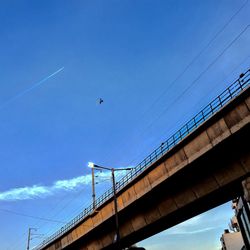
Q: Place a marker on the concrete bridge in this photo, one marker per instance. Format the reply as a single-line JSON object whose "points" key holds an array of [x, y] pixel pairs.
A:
{"points": [[199, 167]]}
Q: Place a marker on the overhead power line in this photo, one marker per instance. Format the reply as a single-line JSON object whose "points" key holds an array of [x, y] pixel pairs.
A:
{"points": [[204, 71], [238, 66], [31, 216], [196, 79], [194, 59], [193, 82], [197, 56]]}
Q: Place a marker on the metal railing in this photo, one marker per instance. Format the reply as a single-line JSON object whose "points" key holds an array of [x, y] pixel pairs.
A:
{"points": [[236, 88]]}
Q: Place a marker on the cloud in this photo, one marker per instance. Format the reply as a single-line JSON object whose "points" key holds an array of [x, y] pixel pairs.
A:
{"points": [[25, 193], [40, 191], [191, 222], [195, 225], [72, 183], [182, 231]]}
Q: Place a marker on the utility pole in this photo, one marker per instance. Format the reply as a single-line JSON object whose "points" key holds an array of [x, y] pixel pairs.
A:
{"points": [[28, 245], [29, 236], [93, 187], [117, 240]]}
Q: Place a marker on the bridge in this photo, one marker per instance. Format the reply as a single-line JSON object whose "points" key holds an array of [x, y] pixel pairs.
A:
{"points": [[198, 168]]}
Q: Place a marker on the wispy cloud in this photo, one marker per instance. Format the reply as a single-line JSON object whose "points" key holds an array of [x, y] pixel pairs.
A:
{"points": [[195, 225], [182, 231], [192, 222], [25, 193], [41, 191]]}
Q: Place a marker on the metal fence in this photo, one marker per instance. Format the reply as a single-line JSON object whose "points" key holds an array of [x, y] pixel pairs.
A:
{"points": [[235, 89]]}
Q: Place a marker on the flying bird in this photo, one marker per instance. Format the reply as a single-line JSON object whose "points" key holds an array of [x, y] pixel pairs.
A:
{"points": [[100, 101]]}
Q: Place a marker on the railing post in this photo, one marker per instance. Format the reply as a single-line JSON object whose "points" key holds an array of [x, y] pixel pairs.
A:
{"points": [[161, 148]]}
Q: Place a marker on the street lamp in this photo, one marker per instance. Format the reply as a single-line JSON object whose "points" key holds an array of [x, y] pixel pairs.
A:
{"points": [[91, 165], [94, 166]]}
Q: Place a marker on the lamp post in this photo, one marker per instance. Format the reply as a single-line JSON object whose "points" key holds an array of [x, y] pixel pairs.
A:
{"points": [[94, 166], [28, 244], [93, 187]]}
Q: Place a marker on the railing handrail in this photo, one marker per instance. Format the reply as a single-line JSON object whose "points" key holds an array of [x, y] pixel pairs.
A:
{"points": [[235, 89]]}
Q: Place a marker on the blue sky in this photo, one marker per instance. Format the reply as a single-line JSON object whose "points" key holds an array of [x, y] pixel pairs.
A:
{"points": [[129, 53]]}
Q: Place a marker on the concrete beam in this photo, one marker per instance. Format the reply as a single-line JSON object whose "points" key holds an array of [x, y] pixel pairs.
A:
{"points": [[246, 188]]}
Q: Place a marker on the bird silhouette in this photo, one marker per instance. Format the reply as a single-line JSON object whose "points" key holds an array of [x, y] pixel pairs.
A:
{"points": [[100, 101]]}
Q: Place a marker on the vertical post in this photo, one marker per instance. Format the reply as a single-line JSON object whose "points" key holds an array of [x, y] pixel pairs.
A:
{"points": [[93, 187], [117, 239], [28, 244]]}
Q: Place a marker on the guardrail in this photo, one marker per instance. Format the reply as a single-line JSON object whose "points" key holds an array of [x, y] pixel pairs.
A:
{"points": [[235, 89]]}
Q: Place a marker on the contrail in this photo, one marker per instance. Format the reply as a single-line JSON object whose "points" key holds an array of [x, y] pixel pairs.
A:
{"points": [[30, 89]]}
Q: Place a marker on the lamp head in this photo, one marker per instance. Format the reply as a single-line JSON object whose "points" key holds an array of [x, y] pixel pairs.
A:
{"points": [[91, 165]]}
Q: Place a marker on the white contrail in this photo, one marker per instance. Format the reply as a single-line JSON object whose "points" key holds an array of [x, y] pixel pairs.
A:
{"points": [[31, 88], [200, 230]]}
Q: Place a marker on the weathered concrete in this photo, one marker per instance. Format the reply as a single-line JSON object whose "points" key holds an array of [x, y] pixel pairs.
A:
{"points": [[206, 169], [246, 188]]}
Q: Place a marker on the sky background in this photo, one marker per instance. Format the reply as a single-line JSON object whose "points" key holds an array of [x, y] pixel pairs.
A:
{"points": [[154, 63]]}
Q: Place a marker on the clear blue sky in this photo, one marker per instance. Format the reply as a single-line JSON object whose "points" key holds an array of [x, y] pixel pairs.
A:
{"points": [[129, 53]]}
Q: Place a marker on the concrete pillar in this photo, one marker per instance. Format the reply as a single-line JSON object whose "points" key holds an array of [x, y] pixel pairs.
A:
{"points": [[246, 189]]}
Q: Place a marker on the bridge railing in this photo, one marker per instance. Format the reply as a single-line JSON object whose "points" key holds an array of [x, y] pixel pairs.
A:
{"points": [[214, 106]]}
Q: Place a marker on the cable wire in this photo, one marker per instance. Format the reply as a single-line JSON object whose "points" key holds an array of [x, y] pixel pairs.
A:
{"points": [[197, 56], [191, 62], [234, 69], [195, 81], [203, 72], [30, 216]]}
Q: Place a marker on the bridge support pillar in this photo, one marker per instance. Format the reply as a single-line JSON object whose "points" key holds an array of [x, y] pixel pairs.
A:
{"points": [[246, 189]]}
